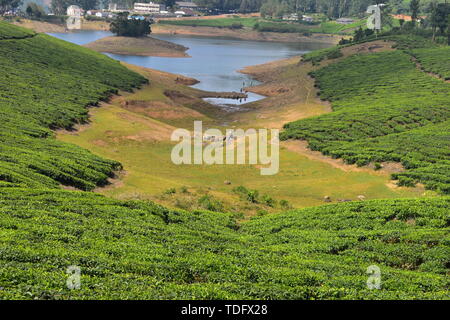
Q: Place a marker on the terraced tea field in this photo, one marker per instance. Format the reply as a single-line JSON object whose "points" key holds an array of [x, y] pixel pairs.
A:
{"points": [[384, 109]]}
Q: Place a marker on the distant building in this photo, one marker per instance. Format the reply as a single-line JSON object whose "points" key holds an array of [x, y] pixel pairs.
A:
{"points": [[290, 17], [307, 18], [101, 14], [136, 17], [147, 8], [114, 7], [185, 13], [402, 17], [186, 5], [405, 17], [345, 20]]}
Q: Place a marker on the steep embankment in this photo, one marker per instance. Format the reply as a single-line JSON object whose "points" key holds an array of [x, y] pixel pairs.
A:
{"points": [[143, 46], [139, 250], [384, 109]]}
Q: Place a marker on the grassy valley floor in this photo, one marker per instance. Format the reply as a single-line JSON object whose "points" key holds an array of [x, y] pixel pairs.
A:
{"points": [[135, 130]]}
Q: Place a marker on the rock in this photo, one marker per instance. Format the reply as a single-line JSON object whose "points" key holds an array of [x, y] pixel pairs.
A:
{"points": [[361, 197], [327, 199], [227, 182]]}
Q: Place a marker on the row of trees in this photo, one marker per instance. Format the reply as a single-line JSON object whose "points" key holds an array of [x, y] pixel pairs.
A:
{"points": [[59, 7], [342, 8], [123, 26], [9, 5]]}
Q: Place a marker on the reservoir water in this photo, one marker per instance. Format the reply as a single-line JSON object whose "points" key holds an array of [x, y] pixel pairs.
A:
{"points": [[214, 61]]}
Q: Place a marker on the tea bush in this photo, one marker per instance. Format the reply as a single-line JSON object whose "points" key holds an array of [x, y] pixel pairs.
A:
{"points": [[46, 84], [139, 250]]}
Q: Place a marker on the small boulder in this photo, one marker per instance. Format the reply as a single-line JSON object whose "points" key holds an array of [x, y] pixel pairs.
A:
{"points": [[361, 197], [227, 182], [327, 199]]}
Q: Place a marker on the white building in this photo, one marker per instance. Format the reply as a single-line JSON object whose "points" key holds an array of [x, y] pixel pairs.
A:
{"points": [[186, 5], [307, 18], [101, 14], [146, 8]]}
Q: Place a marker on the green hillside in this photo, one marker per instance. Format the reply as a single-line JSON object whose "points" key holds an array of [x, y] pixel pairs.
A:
{"points": [[47, 83], [384, 109], [140, 250], [435, 60], [9, 31]]}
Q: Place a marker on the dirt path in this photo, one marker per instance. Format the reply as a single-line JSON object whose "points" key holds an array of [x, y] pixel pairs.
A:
{"points": [[431, 74]]}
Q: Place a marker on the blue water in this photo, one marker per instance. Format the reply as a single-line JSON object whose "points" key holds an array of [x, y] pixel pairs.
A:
{"points": [[213, 61]]}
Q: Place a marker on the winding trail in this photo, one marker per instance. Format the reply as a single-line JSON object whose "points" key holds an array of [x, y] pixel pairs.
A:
{"points": [[422, 69]]}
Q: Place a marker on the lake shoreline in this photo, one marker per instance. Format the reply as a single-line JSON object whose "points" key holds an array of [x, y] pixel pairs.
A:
{"points": [[160, 29], [244, 34]]}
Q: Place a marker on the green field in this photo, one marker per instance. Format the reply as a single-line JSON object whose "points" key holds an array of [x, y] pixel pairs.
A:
{"points": [[400, 115], [141, 250]]}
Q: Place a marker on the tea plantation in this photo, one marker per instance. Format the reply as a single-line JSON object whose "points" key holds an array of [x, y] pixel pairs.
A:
{"points": [[140, 250], [384, 109], [48, 83], [435, 60]]}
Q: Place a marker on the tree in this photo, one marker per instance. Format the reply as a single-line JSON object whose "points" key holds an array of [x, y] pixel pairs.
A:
{"points": [[433, 18], [9, 5], [34, 10], [414, 7], [133, 27], [448, 30], [442, 12], [59, 7], [359, 35]]}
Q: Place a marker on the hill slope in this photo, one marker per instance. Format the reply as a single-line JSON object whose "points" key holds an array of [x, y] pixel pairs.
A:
{"points": [[138, 250], [48, 83], [384, 109]]}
